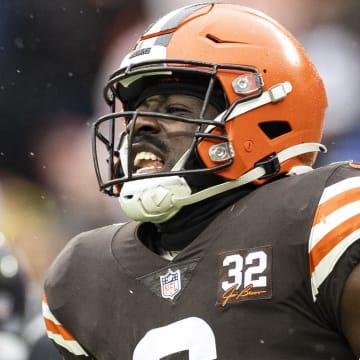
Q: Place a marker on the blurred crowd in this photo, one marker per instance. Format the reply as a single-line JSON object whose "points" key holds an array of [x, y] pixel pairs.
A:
{"points": [[55, 56]]}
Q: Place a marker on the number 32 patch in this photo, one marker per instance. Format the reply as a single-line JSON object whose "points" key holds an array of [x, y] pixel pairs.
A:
{"points": [[244, 275]]}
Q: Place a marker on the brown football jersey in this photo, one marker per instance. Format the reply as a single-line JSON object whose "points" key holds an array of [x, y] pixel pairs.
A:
{"points": [[262, 281]]}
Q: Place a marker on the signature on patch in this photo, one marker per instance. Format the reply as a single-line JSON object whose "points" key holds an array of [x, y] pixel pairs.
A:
{"points": [[234, 294]]}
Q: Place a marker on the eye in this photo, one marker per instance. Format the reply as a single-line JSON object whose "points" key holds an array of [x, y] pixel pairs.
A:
{"points": [[177, 109]]}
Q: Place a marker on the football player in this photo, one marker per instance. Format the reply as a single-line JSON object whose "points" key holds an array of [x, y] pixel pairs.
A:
{"points": [[238, 248]]}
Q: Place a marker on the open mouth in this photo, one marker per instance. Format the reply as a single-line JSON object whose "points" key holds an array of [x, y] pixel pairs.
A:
{"points": [[146, 162]]}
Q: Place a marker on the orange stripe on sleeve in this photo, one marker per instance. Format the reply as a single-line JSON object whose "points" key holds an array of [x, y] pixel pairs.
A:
{"points": [[331, 239], [58, 329], [335, 203]]}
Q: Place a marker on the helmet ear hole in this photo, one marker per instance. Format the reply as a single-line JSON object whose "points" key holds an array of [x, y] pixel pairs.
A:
{"points": [[275, 128]]}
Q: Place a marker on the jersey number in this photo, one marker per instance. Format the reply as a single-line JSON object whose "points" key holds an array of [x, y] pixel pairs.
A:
{"points": [[246, 270], [191, 334]]}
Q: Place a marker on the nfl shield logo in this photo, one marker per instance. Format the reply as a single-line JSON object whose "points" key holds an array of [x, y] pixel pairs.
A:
{"points": [[170, 284]]}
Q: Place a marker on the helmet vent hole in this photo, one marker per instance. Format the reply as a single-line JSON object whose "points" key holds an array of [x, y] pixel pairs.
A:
{"points": [[213, 38], [274, 129]]}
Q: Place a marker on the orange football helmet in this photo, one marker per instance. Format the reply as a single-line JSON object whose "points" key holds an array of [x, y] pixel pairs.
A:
{"points": [[273, 103]]}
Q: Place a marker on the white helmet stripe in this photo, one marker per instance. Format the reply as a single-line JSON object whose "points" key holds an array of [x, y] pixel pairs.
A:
{"points": [[174, 18], [171, 21]]}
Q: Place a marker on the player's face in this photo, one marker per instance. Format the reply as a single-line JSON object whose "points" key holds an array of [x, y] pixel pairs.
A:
{"points": [[159, 143]]}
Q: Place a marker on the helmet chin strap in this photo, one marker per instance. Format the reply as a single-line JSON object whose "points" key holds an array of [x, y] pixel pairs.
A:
{"points": [[250, 176], [159, 199]]}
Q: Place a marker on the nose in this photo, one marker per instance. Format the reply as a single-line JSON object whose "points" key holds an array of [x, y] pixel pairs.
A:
{"points": [[146, 125]]}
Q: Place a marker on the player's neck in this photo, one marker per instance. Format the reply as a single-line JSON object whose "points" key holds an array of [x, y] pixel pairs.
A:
{"points": [[181, 230]]}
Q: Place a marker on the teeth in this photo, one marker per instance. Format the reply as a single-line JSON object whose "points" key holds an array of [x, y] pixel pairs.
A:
{"points": [[144, 155]]}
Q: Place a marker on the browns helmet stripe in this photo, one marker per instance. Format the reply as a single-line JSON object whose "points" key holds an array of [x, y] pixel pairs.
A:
{"points": [[167, 23]]}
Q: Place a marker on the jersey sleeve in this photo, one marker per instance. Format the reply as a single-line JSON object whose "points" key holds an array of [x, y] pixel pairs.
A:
{"points": [[61, 337], [334, 244], [67, 285]]}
